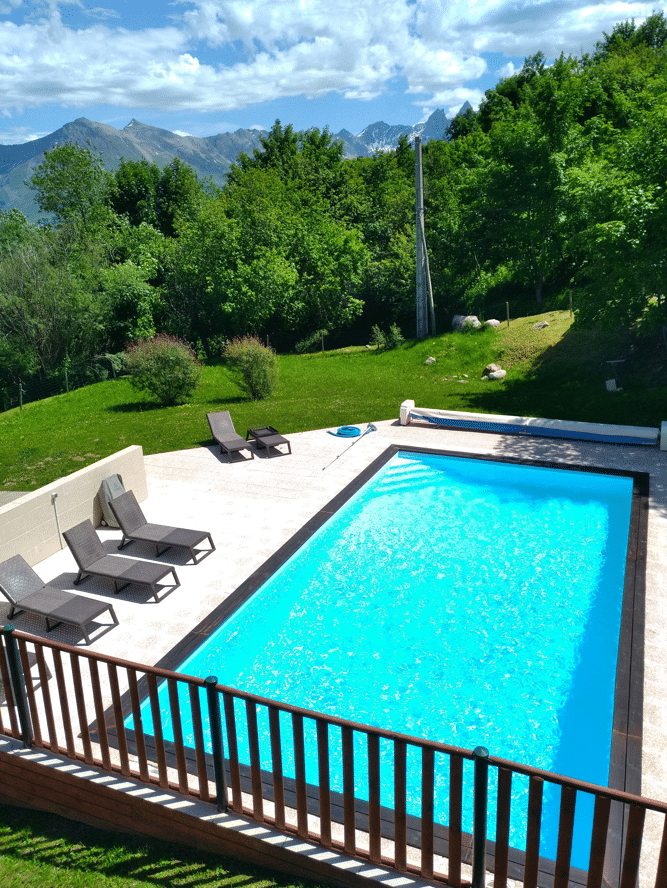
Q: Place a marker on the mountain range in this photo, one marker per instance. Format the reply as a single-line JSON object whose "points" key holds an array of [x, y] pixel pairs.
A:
{"points": [[210, 156]]}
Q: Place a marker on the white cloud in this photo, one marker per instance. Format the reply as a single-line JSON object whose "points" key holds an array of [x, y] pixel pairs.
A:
{"points": [[100, 13], [506, 71], [19, 136], [291, 48]]}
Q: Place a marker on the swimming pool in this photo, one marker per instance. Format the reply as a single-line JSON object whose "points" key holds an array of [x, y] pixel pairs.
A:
{"points": [[539, 608]]}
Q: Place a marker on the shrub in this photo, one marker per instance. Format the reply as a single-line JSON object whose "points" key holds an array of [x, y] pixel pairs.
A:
{"points": [[164, 367], [377, 337], [394, 337], [255, 366]]}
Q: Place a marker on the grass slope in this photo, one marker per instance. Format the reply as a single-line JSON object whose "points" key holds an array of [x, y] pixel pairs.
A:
{"points": [[556, 372]]}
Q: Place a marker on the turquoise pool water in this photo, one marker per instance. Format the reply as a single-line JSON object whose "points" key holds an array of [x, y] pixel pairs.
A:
{"points": [[460, 600]]}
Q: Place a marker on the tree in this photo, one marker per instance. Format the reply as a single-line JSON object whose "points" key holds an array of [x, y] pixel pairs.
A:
{"points": [[144, 193], [47, 315], [14, 228], [279, 150], [462, 125], [627, 35], [70, 183], [178, 196], [132, 191]]}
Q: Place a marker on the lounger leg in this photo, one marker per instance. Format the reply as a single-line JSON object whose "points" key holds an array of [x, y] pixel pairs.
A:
{"points": [[49, 628], [117, 588], [80, 578], [124, 542]]}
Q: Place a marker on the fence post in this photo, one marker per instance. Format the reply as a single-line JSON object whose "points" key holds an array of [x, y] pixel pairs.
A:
{"points": [[20, 396], [216, 742], [507, 308], [481, 760], [18, 684]]}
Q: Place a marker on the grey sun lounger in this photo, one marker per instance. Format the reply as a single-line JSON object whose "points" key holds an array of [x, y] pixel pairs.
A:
{"points": [[93, 561], [27, 593], [134, 526], [224, 434], [267, 437]]}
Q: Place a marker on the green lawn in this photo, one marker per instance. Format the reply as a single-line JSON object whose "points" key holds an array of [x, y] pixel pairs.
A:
{"points": [[556, 373], [44, 850]]}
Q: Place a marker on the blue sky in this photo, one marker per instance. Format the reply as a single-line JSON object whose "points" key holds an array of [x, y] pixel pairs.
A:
{"points": [[209, 66]]}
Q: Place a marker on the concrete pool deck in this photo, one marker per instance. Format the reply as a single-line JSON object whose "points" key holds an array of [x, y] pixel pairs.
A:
{"points": [[252, 508]]}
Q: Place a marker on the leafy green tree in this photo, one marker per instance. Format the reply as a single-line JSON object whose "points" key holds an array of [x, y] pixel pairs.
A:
{"points": [[130, 304], [132, 191], [179, 196], [47, 315], [143, 193], [70, 183], [462, 125], [626, 35], [14, 228], [278, 151]]}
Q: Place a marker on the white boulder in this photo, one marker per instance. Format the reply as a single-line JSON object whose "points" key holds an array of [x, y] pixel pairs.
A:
{"points": [[460, 322]]}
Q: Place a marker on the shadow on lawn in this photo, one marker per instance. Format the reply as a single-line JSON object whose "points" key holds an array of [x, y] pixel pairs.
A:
{"points": [[146, 406], [48, 840], [567, 381]]}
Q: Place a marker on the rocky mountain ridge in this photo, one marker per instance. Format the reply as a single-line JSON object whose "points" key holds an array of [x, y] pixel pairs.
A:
{"points": [[209, 156]]}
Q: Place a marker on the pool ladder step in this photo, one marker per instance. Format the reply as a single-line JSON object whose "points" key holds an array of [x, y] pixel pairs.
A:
{"points": [[402, 477]]}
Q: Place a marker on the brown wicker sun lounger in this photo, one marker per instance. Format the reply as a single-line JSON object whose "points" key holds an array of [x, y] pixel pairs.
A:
{"points": [[224, 434], [135, 527], [27, 593], [92, 560], [267, 437]]}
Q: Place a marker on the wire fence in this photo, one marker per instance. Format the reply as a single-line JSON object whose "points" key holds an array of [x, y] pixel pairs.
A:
{"points": [[19, 391]]}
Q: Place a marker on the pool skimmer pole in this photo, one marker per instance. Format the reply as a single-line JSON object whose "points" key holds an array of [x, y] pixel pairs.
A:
{"points": [[370, 428]]}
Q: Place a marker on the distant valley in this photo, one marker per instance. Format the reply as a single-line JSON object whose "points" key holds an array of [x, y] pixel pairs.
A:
{"points": [[210, 156]]}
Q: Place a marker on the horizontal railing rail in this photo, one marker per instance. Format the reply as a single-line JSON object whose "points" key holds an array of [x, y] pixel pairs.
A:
{"points": [[389, 798]]}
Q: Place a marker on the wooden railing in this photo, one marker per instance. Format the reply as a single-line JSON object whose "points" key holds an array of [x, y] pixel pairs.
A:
{"points": [[373, 794]]}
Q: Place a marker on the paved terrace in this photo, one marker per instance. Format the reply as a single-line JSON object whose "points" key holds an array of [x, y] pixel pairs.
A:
{"points": [[252, 508]]}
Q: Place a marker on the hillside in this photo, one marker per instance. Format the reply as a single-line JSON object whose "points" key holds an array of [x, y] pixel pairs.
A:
{"points": [[557, 373]]}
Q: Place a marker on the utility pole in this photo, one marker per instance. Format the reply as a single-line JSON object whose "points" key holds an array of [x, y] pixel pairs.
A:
{"points": [[425, 309]]}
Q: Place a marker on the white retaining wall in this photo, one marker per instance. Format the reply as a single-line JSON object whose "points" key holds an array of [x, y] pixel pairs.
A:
{"points": [[29, 525]]}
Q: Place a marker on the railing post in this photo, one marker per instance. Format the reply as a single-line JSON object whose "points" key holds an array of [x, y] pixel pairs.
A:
{"points": [[18, 684], [481, 760], [215, 725]]}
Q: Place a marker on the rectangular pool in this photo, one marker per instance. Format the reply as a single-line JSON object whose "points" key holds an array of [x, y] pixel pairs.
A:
{"points": [[467, 601]]}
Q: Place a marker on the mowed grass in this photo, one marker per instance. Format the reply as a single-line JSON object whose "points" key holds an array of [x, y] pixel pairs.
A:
{"points": [[556, 372], [44, 850]]}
